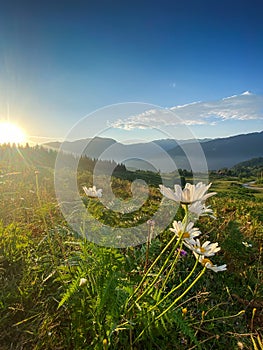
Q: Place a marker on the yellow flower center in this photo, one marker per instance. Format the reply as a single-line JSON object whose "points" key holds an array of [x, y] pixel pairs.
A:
{"points": [[186, 235], [205, 261]]}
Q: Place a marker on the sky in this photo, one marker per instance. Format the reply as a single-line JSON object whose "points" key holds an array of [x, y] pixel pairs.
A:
{"points": [[167, 69]]}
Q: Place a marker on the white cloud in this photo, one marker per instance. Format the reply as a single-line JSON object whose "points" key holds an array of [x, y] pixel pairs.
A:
{"points": [[247, 93], [246, 106], [127, 124]]}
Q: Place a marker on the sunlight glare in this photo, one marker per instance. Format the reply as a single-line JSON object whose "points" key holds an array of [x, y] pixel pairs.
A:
{"points": [[11, 133]]}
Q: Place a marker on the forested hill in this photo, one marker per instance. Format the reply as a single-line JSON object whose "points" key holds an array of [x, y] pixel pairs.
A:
{"points": [[252, 167], [20, 158]]}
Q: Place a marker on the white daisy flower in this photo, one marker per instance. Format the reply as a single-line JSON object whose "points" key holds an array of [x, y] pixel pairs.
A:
{"points": [[209, 265], [199, 209], [206, 249], [189, 195], [92, 192], [190, 232]]}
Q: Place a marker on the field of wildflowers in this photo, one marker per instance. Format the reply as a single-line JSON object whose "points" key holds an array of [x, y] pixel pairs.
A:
{"points": [[197, 285]]}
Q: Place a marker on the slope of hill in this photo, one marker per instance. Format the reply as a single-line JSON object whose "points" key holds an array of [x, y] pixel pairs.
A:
{"points": [[225, 152], [229, 151], [96, 146], [251, 167], [254, 163]]}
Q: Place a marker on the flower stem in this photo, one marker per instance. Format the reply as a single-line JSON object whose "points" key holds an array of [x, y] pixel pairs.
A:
{"points": [[150, 268], [180, 296], [172, 304], [171, 269], [177, 287], [185, 221], [161, 270]]}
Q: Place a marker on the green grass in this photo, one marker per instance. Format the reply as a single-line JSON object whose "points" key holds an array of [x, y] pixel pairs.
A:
{"points": [[42, 262]]}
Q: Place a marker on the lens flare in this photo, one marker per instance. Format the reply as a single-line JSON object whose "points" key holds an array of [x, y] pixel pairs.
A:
{"points": [[11, 133]]}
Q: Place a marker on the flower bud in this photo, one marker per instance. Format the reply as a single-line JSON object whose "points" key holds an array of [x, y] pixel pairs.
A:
{"points": [[83, 282]]}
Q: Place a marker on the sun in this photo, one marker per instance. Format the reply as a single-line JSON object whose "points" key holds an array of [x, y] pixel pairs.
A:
{"points": [[11, 133]]}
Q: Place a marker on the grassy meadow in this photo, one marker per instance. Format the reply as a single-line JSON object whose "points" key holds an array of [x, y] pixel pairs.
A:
{"points": [[60, 291]]}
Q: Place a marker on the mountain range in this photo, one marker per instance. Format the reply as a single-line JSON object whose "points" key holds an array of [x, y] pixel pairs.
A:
{"points": [[168, 154]]}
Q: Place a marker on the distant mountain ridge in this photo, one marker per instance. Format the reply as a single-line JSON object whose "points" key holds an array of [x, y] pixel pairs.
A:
{"points": [[227, 151], [219, 153]]}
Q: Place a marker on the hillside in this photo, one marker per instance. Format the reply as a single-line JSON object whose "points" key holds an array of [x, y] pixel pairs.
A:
{"points": [[229, 151], [254, 163], [54, 283], [252, 167], [225, 152]]}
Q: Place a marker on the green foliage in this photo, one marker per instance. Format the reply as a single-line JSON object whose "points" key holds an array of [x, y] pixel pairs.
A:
{"points": [[252, 167], [183, 327], [43, 305], [102, 293]]}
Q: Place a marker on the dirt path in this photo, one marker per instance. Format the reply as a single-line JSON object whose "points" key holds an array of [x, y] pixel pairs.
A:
{"points": [[248, 185]]}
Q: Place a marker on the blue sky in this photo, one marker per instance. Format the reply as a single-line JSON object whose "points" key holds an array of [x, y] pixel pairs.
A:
{"points": [[60, 61]]}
